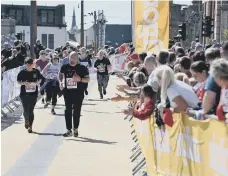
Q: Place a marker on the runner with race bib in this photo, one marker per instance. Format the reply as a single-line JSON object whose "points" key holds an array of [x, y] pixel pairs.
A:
{"points": [[51, 72], [73, 77], [29, 79]]}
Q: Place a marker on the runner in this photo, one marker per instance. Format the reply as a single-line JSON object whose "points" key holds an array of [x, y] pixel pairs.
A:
{"points": [[40, 64], [29, 79], [85, 60], [73, 77], [102, 65], [50, 72]]}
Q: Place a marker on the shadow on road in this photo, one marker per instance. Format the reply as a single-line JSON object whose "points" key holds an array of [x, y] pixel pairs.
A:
{"points": [[48, 134], [96, 141], [107, 99]]}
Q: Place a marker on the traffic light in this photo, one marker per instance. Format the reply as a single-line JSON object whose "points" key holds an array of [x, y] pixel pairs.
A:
{"points": [[207, 26], [182, 31]]}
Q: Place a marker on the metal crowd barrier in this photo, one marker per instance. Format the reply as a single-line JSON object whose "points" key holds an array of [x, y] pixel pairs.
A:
{"points": [[10, 91], [137, 156]]}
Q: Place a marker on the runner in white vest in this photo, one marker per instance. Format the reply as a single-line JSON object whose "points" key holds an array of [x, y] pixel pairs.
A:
{"points": [[51, 72]]}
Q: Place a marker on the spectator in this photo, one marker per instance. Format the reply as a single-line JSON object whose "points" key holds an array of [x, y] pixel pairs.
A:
{"points": [[142, 57], [162, 58], [135, 59], [11, 62], [215, 44], [145, 105], [171, 60], [225, 50], [6, 51], [210, 55], [199, 72], [199, 56], [199, 47], [219, 70], [180, 95], [211, 96], [179, 52], [191, 54], [185, 64], [192, 48], [37, 48]]}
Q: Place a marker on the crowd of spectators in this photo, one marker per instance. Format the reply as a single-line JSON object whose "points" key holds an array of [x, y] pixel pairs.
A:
{"points": [[180, 81]]}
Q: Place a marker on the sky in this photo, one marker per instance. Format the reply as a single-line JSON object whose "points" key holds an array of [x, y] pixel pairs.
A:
{"points": [[116, 11]]}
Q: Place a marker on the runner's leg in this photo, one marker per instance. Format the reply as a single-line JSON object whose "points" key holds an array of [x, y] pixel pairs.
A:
{"points": [[25, 104], [105, 83], [68, 113], [77, 112], [99, 81], [32, 104]]}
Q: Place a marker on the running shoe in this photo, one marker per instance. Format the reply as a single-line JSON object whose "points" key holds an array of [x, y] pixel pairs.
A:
{"points": [[75, 132], [53, 112], [29, 129], [86, 92], [46, 105], [43, 101], [104, 91], [26, 124], [101, 96], [67, 134]]}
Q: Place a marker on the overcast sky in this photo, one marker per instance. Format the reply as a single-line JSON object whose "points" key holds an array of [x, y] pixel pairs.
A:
{"points": [[116, 12]]}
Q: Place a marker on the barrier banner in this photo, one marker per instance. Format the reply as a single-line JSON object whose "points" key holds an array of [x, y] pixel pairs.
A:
{"points": [[9, 87], [150, 25], [118, 63], [189, 148]]}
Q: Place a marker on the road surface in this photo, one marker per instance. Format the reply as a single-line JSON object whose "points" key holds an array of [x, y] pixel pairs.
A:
{"points": [[102, 148]]}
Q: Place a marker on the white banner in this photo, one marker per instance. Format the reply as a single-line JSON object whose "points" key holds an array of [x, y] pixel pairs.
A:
{"points": [[10, 88], [118, 63]]}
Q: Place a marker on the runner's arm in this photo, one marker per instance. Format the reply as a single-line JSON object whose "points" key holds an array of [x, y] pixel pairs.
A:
{"points": [[86, 79]]}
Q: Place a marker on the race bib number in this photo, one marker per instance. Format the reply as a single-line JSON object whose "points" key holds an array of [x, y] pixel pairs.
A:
{"points": [[30, 88], [71, 84], [51, 76]]}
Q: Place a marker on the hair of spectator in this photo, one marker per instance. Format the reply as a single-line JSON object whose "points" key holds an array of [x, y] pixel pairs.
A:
{"points": [[139, 79], [142, 56], [180, 51], [163, 57], [166, 76], [219, 69], [185, 62], [148, 91], [150, 61], [130, 65], [172, 57], [199, 56], [210, 54], [182, 77], [28, 60], [217, 53], [199, 67]]}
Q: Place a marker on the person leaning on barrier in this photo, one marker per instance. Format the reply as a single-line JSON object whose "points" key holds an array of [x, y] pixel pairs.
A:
{"points": [[29, 79], [219, 70], [180, 95]]}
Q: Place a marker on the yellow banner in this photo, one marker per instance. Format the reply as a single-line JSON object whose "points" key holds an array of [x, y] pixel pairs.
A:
{"points": [[150, 25], [189, 148]]}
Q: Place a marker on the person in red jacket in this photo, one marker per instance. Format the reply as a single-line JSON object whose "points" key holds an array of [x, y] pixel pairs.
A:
{"points": [[145, 106]]}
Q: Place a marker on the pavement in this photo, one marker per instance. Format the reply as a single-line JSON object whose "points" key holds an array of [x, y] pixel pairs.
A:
{"points": [[102, 148]]}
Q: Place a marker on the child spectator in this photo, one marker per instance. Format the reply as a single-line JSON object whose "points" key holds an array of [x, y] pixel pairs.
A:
{"points": [[145, 106], [199, 72]]}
